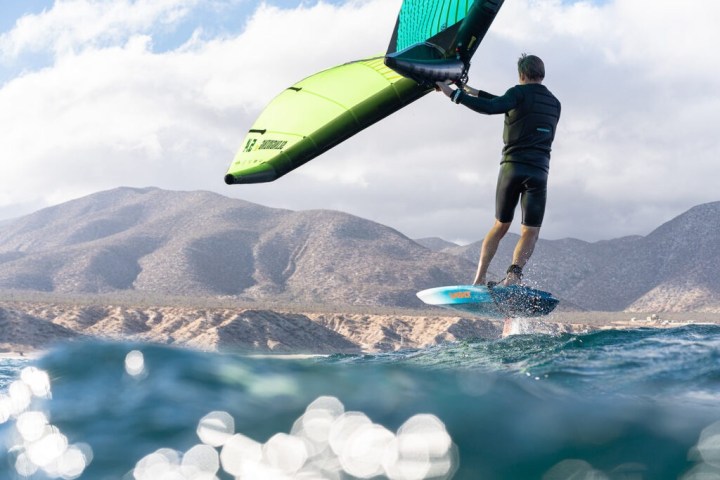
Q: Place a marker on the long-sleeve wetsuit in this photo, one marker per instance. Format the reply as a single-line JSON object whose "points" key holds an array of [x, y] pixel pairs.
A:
{"points": [[531, 117]]}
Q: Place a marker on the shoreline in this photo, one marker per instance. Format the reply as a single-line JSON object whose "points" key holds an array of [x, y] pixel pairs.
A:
{"points": [[27, 329], [22, 355]]}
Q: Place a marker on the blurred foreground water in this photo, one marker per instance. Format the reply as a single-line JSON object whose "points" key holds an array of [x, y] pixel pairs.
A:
{"points": [[634, 404]]}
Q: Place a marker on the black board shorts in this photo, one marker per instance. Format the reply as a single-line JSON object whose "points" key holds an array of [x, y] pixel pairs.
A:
{"points": [[524, 183]]}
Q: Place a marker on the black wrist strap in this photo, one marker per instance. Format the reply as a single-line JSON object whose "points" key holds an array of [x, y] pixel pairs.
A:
{"points": [[456, 96]]}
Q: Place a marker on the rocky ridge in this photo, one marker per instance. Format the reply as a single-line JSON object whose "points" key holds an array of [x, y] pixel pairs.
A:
{"points": [[673, 269], [202, 245], [32, 326]]}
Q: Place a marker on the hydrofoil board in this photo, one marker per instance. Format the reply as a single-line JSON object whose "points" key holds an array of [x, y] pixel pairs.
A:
{"points": [[496, 301]]}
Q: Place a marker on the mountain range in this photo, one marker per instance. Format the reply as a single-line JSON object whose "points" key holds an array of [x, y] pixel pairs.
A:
{"points": [[672, 269], [201, 244]]}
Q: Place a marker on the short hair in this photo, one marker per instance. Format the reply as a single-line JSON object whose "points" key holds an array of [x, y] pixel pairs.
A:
{"points": [[531, 66]]}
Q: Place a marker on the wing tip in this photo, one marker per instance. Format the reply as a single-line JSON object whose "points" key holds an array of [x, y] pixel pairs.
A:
{"points": [[265, 174]]}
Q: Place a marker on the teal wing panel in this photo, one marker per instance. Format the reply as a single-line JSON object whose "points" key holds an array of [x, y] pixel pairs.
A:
{"points": [[420, 20], [456, 27]]}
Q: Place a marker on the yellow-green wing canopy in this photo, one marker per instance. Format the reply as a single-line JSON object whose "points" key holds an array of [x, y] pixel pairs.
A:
{"points": [[316, 114]]}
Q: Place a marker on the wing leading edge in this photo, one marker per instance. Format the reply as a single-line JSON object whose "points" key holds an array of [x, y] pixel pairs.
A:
{"points": [[433, 40]]}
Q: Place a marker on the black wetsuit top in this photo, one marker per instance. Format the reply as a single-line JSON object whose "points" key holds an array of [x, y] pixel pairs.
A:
{"points": [[531, 117]]}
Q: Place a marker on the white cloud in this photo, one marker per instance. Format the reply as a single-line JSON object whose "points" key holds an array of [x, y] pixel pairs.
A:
{"points": [[636, 137], [122, 114], [78, 24], [637, 142]]}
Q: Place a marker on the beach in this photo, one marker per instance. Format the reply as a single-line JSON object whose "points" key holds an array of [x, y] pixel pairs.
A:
{"points": [[28, 328]]}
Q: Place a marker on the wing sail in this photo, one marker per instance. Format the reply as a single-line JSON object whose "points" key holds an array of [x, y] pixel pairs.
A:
{"points": [[434, 40], [421, 20], [318, 113]]}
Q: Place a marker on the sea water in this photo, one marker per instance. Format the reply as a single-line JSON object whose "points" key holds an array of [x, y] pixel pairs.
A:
{"points": [[631, 404]]}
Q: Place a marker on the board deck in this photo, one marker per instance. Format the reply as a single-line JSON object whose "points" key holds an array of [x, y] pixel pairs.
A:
{"points": [[497, 301]]}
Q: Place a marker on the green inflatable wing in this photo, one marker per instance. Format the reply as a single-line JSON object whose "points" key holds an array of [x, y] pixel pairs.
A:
{"points": [[433, 41], [316, 114]]}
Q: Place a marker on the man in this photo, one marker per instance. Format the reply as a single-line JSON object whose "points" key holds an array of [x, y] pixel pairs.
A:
{"points": [[531, 117]]}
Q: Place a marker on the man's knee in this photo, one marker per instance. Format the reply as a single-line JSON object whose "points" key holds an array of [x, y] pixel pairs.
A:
{"points": [[529, 232], [501, 227]]}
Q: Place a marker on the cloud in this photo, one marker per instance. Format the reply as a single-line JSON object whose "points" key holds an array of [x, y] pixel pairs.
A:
{"points": [[637, 142], [72, 25], [119, 114], [635, 138]]}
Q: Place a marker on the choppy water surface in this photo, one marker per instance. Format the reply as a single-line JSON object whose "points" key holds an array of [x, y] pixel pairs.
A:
{"points": [[639, 404]]}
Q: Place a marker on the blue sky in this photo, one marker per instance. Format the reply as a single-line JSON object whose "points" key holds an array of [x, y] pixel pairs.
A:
{"points": [[214, 18], [11, 11], [96, 94]]}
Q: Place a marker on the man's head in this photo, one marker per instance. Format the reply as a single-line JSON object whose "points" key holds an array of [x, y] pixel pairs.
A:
{"points": [[530, 69]]}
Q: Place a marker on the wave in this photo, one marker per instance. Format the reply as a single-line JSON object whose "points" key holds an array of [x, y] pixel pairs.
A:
{"points": [[609, 404]]}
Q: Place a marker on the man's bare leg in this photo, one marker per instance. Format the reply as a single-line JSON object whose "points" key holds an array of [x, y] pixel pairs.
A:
{"points": [[523, 251], [489, 247]]}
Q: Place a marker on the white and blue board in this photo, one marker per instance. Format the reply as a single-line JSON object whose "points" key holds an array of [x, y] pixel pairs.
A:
{"points": [[496, 301]]}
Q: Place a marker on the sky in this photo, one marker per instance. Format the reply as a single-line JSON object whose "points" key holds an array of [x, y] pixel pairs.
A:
{"points": [[97, 94]]}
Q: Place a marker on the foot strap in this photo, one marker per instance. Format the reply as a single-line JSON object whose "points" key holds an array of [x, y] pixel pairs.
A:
{"points": [[515, 270]]}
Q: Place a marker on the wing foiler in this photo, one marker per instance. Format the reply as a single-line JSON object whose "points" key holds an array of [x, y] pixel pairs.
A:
{"points": [[433, 40]]}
